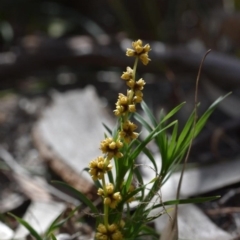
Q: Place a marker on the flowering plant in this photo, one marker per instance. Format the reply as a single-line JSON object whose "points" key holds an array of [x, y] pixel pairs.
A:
{"points": [[123, 147], [116, 173]]}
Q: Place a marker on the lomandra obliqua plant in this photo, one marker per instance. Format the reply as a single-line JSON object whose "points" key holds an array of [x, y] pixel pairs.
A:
{"points": [[121, 148], [122, 185]]}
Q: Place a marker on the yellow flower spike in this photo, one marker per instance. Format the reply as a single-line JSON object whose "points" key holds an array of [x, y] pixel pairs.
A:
{"points": [[112, 148]]}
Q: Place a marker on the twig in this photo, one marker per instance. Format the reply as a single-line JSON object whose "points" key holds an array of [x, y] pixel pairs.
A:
{"points": [[226, 210], [193, 133]]}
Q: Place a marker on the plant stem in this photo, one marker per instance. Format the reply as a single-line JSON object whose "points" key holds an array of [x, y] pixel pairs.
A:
{"points": [[135, 68], [105, 205]]}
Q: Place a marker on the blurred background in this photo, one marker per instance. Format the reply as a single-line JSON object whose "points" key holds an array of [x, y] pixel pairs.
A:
{"points": [[64, 45], [48, 46]]}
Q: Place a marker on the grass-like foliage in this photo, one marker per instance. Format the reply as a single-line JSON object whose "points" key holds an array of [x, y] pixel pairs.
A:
{"points": [[127, 200]]}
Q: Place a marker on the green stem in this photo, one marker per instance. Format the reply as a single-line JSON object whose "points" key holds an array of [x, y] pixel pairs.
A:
{"points": [[135, 68], [105, 218]]}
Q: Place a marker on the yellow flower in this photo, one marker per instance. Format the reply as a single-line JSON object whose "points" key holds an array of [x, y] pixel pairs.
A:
{"points": [[128, 74], [127, 132], [117, 236], [132, 108], [130, 83], [110, 197], [113, 199], [107, 201], [111, 148], [138, 96], [109, 188], [144, 58], [98, 167], [130, 52], [100, 192], [121, 105], [101, 228], [139, 51], [139, 85], [111, 232], [112, 227], [124, 104], [101, 236]]}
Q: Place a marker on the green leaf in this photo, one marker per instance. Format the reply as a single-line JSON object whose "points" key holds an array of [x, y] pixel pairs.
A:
{"points": [[148, 112], [129, 179], [53, 237], [107, 128], [110, 176], [173, 139], [31, 230], [149, 232], [143, 122], [80, 195], [149, 155], [202, 121], [186, 201], [184, 135], [140, 180], [171, 113], [151, 136], [56, 224]]}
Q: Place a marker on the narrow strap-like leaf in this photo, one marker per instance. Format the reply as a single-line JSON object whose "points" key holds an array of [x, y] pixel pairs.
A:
{"points": [[31, 230], [80, 195]]}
